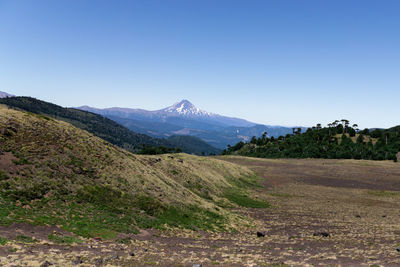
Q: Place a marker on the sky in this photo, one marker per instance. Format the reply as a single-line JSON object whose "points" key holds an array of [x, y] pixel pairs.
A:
{"points": [[286, 62]]}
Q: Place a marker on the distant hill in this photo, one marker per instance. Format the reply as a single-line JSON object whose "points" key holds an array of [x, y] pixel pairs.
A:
{"points": [[394, 129], [104, 127], [193, 144], [53, 173], [4, 95], [184, 118]]}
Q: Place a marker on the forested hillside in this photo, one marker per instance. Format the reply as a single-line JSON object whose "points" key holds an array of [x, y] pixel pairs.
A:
{"points": [[192, 143], [338, 140]]}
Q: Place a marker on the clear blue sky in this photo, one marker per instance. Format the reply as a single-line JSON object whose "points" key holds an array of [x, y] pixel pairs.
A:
{"points": [[275, 62]]}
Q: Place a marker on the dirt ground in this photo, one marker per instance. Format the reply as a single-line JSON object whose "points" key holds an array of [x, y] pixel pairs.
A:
{"points": [[324, 212]]}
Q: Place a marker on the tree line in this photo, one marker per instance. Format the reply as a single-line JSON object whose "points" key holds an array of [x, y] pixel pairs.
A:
{"points": [[338, 140]]}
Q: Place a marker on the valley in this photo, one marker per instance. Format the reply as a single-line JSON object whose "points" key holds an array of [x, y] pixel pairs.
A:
{"points": [[199, 133], [327, 212], [69, 197]]}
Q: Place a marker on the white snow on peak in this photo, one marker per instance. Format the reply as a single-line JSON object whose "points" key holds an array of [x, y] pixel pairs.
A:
{"points": [[186, 108]]}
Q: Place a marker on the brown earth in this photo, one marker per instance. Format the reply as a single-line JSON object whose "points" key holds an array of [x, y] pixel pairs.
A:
{"points": [[354, 202]]}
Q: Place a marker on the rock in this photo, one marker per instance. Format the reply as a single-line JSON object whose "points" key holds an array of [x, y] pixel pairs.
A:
{"points": [[131, 254], [260, 234], [323, 234], [46, 264], [97, 238], [77, 261]]}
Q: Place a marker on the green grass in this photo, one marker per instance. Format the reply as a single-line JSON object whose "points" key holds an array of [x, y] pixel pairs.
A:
{"points": [[383, 193], [3, 241], [242, 199], [239, 192], [25, 239], [63, 239], [190, 217], [83, 219], [248, 182], [93, 219]]}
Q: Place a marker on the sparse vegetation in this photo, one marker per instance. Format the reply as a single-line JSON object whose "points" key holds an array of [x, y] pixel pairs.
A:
{"points": [[281, 195], [383, 193], [67, 174], [25, 239], [63, 239], [3, 175]]}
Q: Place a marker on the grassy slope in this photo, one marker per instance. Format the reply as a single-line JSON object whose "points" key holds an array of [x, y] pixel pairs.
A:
{"points": [[54, 173]]}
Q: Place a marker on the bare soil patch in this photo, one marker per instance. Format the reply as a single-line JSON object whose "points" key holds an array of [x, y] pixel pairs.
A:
{"points": [[7, 164]]}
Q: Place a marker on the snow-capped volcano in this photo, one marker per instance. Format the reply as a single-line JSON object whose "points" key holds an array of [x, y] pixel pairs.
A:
{"points": [[181, 114], [184, 118], [186, 108]]}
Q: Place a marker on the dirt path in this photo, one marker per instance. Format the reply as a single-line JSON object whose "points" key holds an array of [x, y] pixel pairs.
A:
{"points": [[310, 199]]}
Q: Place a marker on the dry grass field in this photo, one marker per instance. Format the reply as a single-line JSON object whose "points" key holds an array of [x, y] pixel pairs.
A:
{"points": [[323, 212]]}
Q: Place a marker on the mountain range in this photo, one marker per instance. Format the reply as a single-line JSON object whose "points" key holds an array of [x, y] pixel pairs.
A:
{"points": [[4, 95], [184, 118]]}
